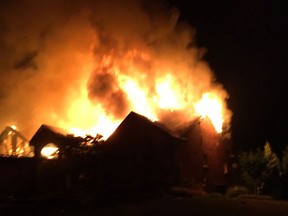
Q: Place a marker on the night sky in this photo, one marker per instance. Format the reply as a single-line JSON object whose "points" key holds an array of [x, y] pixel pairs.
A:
{"points": [[247, 49]]}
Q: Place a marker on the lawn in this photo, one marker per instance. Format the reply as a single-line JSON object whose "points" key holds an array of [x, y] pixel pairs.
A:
{"points": [[166, 205]]}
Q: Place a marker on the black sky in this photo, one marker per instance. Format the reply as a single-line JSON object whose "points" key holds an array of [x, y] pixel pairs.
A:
{"points": [[247, 45]]}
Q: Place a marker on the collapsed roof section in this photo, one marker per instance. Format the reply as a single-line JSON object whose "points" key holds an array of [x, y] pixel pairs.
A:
{"points": [[14, 144]]}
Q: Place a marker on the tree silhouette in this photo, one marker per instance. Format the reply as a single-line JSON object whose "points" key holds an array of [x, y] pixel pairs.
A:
{"points": [[258, 166]]}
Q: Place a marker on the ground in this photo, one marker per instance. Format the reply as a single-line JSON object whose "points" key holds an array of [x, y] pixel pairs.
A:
{"points": [[165, 205]]}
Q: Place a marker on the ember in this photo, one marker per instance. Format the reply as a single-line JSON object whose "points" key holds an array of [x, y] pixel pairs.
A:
{"points": [[50, 151]]}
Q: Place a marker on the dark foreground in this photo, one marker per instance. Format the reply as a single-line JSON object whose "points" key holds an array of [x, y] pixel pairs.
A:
{"points": [[166, 205]]}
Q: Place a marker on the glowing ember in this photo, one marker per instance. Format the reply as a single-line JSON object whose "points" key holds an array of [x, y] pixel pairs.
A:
{"points": [[50, 151], [210, 106], [13, 127]]}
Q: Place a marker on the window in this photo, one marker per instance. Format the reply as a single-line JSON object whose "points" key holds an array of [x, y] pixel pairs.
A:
{"points": [[50, 151]]}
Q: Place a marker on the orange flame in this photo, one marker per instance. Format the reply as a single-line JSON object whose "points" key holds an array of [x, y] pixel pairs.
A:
{"points": [[211, 106], [86, 118], [92, 70], [139, 99], [150, 100], [166, 97]]}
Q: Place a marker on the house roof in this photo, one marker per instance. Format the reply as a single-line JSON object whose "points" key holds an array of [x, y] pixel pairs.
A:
{"points": [[59, 132], [135, 125], [56, 130]]}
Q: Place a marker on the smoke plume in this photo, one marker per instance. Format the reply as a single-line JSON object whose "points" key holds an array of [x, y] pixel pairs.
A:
{"points": [[59, 55]]}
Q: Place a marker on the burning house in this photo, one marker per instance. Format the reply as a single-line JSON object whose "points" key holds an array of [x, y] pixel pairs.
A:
{"points": [[48, 141], [13, 143], [204, 156], [140, 156], [100, 67], [17, 164], [147, 153]]}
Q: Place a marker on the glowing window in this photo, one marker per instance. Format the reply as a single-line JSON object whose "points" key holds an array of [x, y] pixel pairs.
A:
{"points": [[50, 151]]}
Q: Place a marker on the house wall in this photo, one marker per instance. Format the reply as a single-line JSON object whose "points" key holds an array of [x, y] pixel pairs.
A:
{"points": [[203, 157], [17, 176], [42, 138], [139, 156]]}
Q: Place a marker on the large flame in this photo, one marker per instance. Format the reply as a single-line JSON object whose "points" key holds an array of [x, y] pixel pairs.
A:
{"points": [[86, 66], [211, 106], [166, 94]]}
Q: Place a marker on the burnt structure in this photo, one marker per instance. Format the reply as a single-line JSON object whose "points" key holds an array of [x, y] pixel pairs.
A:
{"points": [[14, 144]]}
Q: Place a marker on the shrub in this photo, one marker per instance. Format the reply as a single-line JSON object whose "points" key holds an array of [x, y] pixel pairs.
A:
{"points": [[187, 192], [255, 196], [216, 195], [237, 190]]}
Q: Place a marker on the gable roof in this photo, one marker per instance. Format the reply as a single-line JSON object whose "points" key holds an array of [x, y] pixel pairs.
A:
{"points": [[137, 130], [48, 134], [53, 129], [135, 124]]}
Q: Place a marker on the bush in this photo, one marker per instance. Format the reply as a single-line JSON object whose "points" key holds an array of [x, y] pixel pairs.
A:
{"points": [[255, 196], [216, 195], [187, 192], [237, 190]]}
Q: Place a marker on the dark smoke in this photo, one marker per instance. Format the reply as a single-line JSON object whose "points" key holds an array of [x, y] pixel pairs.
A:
{"points": [[103, 88]]}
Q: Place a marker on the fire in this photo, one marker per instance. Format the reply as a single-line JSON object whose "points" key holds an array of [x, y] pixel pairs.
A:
{"points": [[87, 119], [139, 98], [211, 106], [91, 70], [13, 127], [150, 100], [166, 96], [50, 151]]}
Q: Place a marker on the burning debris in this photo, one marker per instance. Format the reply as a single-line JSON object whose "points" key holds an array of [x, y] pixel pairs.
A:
{"points": [[13, 143], [52, 142]]}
